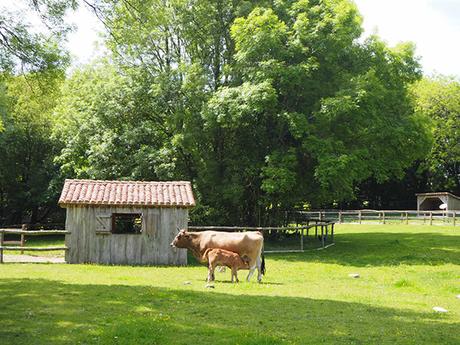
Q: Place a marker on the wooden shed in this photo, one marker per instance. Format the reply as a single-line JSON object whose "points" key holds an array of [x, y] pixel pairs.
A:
{"points": [[432, 201], [125, 222]]}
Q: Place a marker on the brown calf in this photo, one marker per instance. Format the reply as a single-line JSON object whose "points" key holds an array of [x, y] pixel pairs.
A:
{"points": [[221, 257]]}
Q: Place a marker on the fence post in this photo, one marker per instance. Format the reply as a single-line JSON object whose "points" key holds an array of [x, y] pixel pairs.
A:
{"points": [[383, 217], [332, 233], [453, 219], [322, 236], [340, 217], [407, 218], [359, 216], [301, 237], [1, 246], [24, 227], [431, 218]]}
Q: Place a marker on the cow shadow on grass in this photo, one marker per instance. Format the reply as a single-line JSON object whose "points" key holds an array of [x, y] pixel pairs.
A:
{"points": [[383, 249], [50, 312]]}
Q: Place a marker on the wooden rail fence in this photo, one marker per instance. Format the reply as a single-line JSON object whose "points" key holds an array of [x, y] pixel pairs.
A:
{"points": [[386, 216], [324, 231], [23, 234]]}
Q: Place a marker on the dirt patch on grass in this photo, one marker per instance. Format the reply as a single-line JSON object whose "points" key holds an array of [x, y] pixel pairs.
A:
{"points": [[33, 259]]}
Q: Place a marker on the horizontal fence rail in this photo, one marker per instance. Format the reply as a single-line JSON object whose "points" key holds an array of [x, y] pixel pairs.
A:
{"points": [[324, 232], [4, 245], [385, 216]]}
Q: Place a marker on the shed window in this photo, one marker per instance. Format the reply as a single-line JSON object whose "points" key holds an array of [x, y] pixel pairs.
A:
{"points": [[126, 223]]}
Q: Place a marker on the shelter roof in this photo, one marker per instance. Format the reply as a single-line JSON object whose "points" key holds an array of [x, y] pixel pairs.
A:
{"points": [[127, 193], [435, 194]]}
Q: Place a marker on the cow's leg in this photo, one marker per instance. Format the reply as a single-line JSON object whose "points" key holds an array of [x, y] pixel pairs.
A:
{"points": [[251, 272], [252, 267], [259, 269]]}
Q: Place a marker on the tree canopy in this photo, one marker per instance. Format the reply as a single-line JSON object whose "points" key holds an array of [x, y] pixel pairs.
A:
{"points": [[264, 105], [439, 99]]}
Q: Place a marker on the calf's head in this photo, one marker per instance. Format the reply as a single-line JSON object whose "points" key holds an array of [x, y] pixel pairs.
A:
{"points": [[182, 240]]}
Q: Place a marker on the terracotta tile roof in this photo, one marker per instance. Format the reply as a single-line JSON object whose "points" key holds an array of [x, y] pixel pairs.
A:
{"points": [[127, 193]]}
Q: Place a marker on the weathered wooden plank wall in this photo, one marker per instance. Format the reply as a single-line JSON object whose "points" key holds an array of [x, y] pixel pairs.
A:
{"points": [[90, 239]]}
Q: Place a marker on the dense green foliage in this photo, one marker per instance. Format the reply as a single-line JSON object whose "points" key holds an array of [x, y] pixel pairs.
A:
{"points": [[305, 298], [264, 105], [27, 150], [439, 98], [23, 47]]}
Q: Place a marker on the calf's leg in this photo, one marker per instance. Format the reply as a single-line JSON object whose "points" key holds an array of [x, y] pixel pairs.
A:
{"points": [[235, 274], [211, 269]]}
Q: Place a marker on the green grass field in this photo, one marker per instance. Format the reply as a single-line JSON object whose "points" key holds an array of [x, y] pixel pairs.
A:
{"points": [[305, 298], [40, 241]]}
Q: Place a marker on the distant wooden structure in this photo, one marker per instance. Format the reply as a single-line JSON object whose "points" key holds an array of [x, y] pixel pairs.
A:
{"points": [[432, 201], [125, 222]]}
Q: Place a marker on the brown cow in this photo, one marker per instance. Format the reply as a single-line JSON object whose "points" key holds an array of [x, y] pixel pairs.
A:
{"points": [[220, 257], [246, 244]]}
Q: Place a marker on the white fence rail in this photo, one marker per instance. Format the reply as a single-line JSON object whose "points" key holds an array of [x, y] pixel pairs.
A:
{"points": [[386, 216]]}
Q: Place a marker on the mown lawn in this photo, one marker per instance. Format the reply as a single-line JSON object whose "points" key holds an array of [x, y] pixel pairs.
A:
{"points": [[305, 299]]}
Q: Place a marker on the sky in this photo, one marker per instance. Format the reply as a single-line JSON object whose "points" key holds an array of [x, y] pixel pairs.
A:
{"points": [[433, 25]]}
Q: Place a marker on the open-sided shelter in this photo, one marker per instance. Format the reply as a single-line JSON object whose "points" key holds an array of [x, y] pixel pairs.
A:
{"points": [[432, 201], [125, 222]]}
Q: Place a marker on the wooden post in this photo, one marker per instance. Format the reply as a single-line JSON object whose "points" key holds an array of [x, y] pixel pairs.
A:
{"points": [[1, 246], [332, 233], [340, 217], [301, 237], [322, 236], [383, 217], [359, 216], [431, 218], [23, 239], [407, 218], [319, 215], [453, 219]]}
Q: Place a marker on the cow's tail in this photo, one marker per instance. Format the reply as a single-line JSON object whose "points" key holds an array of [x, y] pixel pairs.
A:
{"points": [[262, 265]]}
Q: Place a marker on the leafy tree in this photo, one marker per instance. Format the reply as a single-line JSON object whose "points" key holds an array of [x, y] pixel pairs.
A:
{"points": [[112, 127], [340, 111], [28, 49], [265, 105], [26, 147], [439, 99]]}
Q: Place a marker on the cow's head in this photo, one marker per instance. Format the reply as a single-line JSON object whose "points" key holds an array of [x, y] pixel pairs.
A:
{"points": [[182, 239]]}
